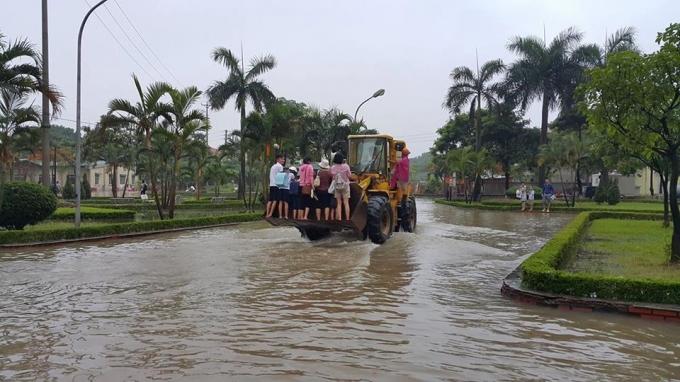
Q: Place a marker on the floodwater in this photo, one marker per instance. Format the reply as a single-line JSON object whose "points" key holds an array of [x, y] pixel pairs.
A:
{"points": [[256, 303]]}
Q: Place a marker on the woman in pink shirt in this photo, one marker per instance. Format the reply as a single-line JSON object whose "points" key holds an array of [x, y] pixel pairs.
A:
{"points": [[306, 172], [341, 173]]}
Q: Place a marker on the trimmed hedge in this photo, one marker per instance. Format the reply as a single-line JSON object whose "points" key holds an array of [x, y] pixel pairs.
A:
{"points": [[25, 203], [93, 213], [541, 271], [109, 230], [515, 206], [149, 207]]}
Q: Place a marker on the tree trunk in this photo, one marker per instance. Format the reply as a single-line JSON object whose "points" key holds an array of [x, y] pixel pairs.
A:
{"points": [[507, 180], [173, 185], [579, 183], [478, 132], [198, 184], [114, 182], [477, 190], [651, 181], [242, 158], [127, 177], [666, 209], [544, 134], [604, 175], [675, 212], [152, 174]]}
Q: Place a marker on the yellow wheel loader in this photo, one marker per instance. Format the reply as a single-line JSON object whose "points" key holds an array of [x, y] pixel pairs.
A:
{"points": [[376, 209]]}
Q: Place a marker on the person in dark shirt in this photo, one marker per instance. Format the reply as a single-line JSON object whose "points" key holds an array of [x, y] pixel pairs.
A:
{"points": [[548, 193]]}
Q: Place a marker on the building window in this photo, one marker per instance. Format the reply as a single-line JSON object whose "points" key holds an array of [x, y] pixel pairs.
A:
{"points": [[122, 179], [96, 179]]}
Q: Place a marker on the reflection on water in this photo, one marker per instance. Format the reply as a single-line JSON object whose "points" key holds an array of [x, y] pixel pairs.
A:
{"points": [[253, 302]]}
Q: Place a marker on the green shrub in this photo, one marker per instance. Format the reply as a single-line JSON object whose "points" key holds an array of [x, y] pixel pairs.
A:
{"points": [[57, 235], [69, 191], [92, 213], [511, 192], [541, 271], [25, 203], [86, 192], [613, 193], [600, 193]]}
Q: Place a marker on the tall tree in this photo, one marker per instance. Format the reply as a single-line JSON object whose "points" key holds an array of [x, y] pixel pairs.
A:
{"points": [[243, 86], [547, 72], [635, 101], [145, 116], [16, 119], [472, 88], [186, 123], [21, 72]]}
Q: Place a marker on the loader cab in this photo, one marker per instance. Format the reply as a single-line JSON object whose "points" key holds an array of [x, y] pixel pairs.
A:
{"points": [[368, 154]]}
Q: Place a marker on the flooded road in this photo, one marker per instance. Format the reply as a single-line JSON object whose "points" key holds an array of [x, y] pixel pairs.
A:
{"points": [[258, 303]]}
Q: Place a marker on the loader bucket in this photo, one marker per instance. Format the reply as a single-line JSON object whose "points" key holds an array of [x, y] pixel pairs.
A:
{"points": [[314, 229]]}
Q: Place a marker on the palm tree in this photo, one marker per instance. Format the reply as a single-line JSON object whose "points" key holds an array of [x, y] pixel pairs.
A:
{"points": [[547, 72], [480, 162], [472, 88], [181, 130], [243, 86], [144, 116], [21, 70], [15, 121], [458, 160]]}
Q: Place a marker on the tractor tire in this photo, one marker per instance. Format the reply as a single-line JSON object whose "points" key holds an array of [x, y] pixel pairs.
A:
{"points": [[409, 215], [379, 222]]}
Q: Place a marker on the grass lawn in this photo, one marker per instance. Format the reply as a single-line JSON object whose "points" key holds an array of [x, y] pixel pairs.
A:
{"points": [[627, 248], [586, 204]]}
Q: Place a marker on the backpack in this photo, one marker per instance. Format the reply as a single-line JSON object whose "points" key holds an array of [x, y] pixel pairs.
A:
{"points": [[294, 187], [281, 179], [340, 182]]}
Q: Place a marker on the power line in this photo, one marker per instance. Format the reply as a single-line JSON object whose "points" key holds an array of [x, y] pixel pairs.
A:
{"points": [[133, 43], [145, 43], [121, 45]]}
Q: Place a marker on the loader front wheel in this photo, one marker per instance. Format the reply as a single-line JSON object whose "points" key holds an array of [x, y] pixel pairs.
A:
{"points": [[409, 215], [380, 221]]}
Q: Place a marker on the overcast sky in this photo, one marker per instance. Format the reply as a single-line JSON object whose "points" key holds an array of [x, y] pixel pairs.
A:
{"points": [[329, 53]]}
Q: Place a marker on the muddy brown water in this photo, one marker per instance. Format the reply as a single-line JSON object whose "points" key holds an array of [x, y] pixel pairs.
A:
{"points": [[256, 303]]}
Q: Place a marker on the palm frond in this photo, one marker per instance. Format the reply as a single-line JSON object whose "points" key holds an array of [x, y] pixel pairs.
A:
{"points": [[490, 69], [621, 40], [227, 58], [463, 74], [260, 65], [222, 91], [260, 95]]}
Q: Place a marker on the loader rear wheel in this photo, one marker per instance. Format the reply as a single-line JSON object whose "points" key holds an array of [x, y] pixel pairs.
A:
{"points": [[409, 215], [379, 222]]}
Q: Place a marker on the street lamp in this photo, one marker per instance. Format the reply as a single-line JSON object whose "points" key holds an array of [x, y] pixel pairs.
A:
{"points": [[377, 94], [80, 43]]}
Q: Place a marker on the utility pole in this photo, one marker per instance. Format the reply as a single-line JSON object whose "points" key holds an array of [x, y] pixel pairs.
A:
{"points": [[207, 116], [45, 123]]}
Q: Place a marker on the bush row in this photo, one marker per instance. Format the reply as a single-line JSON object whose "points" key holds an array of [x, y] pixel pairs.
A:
{"points": [[511, 192], [139, 207], [514, 206], [56, 235], [92, 213], [541, 271]]}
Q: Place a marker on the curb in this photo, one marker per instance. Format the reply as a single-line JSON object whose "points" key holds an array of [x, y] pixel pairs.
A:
{"points": [[656, 312], [119, 236]]}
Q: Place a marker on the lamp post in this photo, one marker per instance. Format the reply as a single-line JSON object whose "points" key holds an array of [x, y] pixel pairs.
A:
{"points": [[377, 94], [80, 43]]}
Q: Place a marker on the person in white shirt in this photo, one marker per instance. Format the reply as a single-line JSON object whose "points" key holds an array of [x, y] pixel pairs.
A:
{"points": [[273, 188]]}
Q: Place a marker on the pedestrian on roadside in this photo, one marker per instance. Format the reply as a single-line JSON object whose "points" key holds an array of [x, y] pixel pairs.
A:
{"points": [[522, 191], [548, 194]]}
